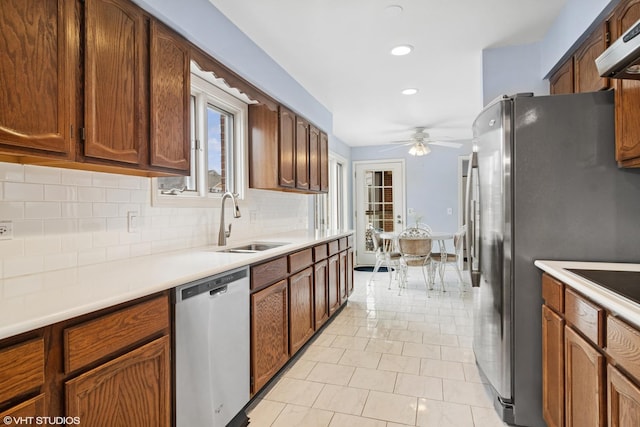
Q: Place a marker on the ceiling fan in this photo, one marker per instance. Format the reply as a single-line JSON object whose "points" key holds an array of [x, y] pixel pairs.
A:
{"points": [[420, 141]]}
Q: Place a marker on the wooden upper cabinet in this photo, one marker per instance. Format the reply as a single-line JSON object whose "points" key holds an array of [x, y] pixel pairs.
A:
{"points": [[115, 119], [587, 78], [627, 93], [286, 148], [561, 82], [37, 109], [170, 91], [324, 162], [302, 154], [314, 158]]}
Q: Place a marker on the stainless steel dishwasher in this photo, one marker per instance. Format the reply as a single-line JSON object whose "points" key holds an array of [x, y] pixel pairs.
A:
{"points": [[212, 350]]}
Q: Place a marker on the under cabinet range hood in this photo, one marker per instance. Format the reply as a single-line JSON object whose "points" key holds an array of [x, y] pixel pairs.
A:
{"points": [[622, 59]]}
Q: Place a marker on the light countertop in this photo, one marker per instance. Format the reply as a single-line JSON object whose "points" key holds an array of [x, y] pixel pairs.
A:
{"points": [[615, 303], [33, 301]]}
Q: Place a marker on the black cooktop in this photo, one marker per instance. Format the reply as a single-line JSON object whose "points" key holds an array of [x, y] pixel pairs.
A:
{"points": [[625, 283]]}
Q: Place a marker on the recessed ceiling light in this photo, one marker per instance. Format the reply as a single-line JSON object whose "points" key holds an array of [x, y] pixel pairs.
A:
{"points": [[410, 91], [403, 49], [393, 10]]}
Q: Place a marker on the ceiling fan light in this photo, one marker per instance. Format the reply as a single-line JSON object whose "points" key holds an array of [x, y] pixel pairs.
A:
{"points": [[401, 50], [419, 149], [410, 91]]}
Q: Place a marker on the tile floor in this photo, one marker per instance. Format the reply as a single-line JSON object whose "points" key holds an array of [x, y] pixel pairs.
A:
{"points": [[386, 360]]}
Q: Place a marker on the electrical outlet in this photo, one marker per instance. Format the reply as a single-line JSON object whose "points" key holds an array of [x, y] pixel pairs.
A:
{"points": [[132, 221], [449, 211], [6, 230], [411, 211]]}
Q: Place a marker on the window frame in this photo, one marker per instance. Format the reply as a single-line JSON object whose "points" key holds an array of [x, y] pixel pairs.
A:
{"points": [[208, 90]]}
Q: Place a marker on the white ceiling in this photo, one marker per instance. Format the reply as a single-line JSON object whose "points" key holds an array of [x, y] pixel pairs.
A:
{"points": [[339, 51]]}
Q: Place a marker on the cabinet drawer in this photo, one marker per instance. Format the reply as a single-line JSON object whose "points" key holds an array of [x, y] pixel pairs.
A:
{"points": [[320, 252], [31, 408], [300, 260], [584, 316], [106, 335], [350, 241], [268, 272], [342, 243], [21, 368], [334, 247], [552, 293], [623, 345]]}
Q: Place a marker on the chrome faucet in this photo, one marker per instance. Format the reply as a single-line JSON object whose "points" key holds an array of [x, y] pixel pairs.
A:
{"points": [[223, 234]]}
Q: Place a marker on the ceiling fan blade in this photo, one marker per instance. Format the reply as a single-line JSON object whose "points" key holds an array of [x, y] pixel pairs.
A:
{"points": [[404, 141], [390, 148], [446, 144]]}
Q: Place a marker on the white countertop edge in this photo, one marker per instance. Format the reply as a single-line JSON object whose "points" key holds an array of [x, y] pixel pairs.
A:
{"points": [[615, 303], [207, 261]]}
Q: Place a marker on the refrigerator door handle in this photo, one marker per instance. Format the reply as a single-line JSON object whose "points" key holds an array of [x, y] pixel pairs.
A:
{"points": [[470, 221]]}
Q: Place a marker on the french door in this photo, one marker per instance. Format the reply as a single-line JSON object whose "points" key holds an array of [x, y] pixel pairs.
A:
{"points": [[380, 202]]}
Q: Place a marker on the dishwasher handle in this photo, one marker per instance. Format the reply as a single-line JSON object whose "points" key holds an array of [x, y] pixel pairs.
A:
{"points": [[219, 291]]}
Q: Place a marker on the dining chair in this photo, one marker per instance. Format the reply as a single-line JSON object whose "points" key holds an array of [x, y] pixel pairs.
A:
{"points": [[455, 258], [385, 254], [415, 247]]}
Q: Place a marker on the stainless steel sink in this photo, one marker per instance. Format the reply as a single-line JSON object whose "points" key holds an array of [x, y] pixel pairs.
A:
{"points": [[253, 247]]}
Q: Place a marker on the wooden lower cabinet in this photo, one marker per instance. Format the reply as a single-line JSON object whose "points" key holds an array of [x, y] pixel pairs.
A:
{"points": [[35, 407], [342, 278], [269, 333], [349, 272], [585, 392], [320, 285], [552, 368], [301, 304], [131, 390], [623, 400], [334, 283]]}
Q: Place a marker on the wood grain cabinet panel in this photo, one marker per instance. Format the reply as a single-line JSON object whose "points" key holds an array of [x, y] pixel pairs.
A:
{"points": [[587, 78], [334, 283], [106, 335], [349, 272], [585, 316], [299, 260], [561, 82], [287, 148], [37, 85], [268, 272], [585, 393], [22, 368], [115, 115], [552, 368], [302, 154], [342, 278], [170, 91], [34, 407], [131, 390], [627, 93], [269, 333], [301, 304], [315, 173], [320, 293], [324, 162], [623, 345], [623, 403]]}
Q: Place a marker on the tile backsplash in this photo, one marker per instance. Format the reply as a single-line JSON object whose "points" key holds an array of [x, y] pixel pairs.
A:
{"points": [[65, 218]]}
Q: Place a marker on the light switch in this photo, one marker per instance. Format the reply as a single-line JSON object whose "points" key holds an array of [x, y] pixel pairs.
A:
{"points": [[132, 221]]}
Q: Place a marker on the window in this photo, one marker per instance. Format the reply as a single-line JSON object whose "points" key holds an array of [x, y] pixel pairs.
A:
{"points": [[218, 133]]}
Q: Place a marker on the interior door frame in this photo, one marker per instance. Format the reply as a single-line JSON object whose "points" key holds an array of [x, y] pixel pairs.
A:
{"points": [[400, 195]]}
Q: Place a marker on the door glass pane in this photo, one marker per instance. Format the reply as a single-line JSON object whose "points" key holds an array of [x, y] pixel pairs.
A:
{"points": [[379, 202]]}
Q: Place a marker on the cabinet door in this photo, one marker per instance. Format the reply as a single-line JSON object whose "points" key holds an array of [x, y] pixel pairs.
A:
{"points": [[349, 272], [269, 333], [133, 389], [34, 407], [314, 158], [324, 162], [334, 283], [623, 400], [584, 382], [587, 78], [343, 277], [320, 283], [561, 81], [301, 324], [552, 368], [286, 148], [37, 69], [115, 118], [302, 154], [627, 94], [170, 145]]}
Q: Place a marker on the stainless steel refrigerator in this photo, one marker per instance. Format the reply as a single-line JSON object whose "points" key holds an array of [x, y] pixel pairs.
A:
{"points": [[544, 185]]}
